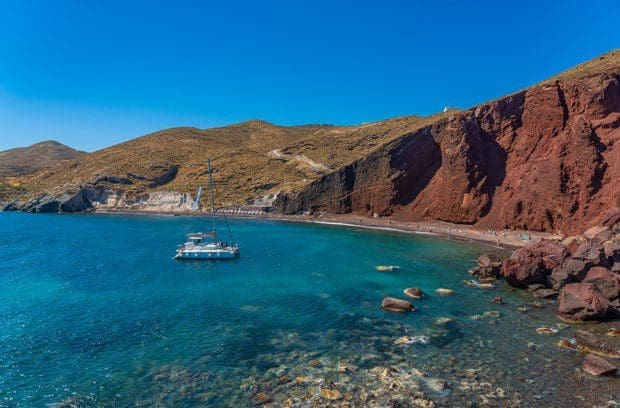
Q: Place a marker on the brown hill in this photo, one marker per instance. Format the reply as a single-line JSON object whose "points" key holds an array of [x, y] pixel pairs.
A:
{"points": [[250, 159], [545, 158], [26, 160]]}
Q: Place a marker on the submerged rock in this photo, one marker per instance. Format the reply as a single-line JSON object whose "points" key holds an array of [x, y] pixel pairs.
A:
{"points": [[614, 333], [497, 300], [596, 365], [546, 330], [444, 291], [588, 342], [261, 399], [563, 343], [330, 391], [396, 305], [386, 268], [414, 293], [402, 340], [443, 320], [475, 284]]}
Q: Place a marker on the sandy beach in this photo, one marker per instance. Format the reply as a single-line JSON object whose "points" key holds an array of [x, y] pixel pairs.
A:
{"points": [[504, 238]]}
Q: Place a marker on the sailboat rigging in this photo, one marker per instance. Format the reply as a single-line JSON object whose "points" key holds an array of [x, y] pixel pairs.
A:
{"points": [[202, 245]]}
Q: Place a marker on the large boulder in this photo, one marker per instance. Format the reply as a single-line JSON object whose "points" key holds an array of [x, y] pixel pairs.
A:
{"points": [[533, 264], [583, 301], [598, 234], [594, 254], [573, 270], [608, 283], [396, 305]]}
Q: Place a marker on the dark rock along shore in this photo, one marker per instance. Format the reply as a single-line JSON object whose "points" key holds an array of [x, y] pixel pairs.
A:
{"points": [[583, 272]]}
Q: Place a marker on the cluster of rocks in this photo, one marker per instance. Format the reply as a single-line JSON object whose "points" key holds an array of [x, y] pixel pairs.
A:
{"points": [[583, 272]]}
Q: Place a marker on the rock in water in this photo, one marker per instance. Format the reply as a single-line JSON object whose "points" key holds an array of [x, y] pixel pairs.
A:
{"points": [[261, 399], [402, 340], [386, 268], [546, 330], [414, 293], [588, 342], [443, 320], [497, 300], [396, 305], [444, 291], [330, 391], [489, 260], [596, 365], [563, 343], [583, 301], [533, 264]]}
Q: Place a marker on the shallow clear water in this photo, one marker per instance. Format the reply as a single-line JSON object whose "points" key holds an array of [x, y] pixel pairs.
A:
{"points": [[94, 310]]}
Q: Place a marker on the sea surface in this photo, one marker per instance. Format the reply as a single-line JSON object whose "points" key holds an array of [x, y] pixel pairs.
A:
{"points": [[95, 312]]}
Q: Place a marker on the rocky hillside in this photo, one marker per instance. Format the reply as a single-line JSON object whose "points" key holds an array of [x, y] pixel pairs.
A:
{"points": [[39, 156], [250, 160], [545, 158]]}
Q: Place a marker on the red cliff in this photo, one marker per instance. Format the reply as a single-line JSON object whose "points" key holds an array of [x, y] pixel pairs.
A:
{"points": [[546, 158]]}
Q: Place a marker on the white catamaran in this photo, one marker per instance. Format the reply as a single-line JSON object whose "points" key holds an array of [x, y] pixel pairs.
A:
{"points": [[202, 245]]}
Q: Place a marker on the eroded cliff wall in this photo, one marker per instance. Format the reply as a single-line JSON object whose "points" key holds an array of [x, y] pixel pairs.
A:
{"points": [[542, 159]]}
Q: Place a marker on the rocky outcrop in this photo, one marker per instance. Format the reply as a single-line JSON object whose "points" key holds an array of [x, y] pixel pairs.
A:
{"points": [[105, 199], [585, 278], [547, 158], [488, 268], [533, 264]]}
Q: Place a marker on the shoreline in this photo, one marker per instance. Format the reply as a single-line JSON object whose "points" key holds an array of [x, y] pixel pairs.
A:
{"points": [[504, 238]]}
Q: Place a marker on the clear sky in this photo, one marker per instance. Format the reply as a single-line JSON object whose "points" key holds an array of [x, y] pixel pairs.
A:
{"points": [[94, 73]]}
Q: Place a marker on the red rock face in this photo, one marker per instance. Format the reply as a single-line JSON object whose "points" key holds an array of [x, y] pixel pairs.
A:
{"points": [[543, 159]]}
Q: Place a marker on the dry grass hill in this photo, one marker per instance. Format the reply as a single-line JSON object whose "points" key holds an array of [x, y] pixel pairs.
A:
{"points": [[250, 159], [26, 160]]}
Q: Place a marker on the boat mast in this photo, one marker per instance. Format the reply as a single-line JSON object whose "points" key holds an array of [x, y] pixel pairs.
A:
{"points": [[212, 195]]}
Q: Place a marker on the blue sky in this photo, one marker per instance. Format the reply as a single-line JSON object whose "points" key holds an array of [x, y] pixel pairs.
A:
{"points": [[95, 73]]}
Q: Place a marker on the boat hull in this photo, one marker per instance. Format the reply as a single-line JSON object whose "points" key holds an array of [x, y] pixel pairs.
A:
{"points": [[206, 255]]}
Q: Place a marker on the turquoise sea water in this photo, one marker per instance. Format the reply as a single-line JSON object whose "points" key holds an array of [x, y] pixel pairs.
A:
{"points": [[94, 311]]}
